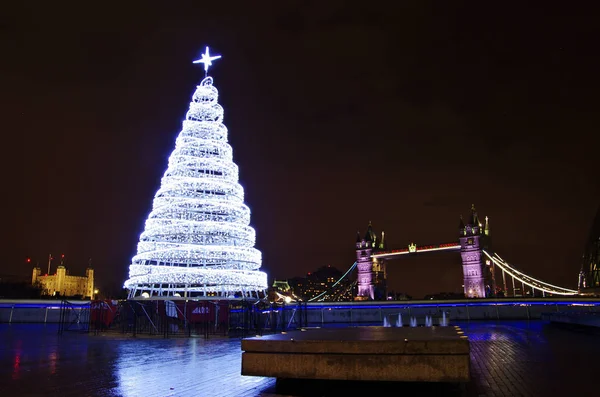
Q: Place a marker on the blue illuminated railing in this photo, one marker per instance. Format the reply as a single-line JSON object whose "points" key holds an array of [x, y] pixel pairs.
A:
{"points": [[453, 303], [36, 304]]}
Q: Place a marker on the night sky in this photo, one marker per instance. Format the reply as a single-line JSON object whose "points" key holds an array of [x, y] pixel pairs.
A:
{"points": [[338, 115]]}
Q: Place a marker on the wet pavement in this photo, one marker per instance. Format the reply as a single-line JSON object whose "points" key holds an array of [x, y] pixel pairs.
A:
{"points": [[508, 359]]}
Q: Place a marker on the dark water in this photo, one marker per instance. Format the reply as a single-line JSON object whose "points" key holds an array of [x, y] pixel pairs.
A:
{"points": [[508, 359]]}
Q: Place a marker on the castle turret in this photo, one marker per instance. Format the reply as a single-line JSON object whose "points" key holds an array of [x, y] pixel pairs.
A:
{"points": [[89, 274], [61, 274], [36, 273]]}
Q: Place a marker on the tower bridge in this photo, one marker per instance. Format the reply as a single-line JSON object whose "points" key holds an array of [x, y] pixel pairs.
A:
{"points": [[479, 266]]}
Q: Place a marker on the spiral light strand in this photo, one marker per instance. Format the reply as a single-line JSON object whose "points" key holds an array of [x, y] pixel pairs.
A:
{"points": [[197, 240]]}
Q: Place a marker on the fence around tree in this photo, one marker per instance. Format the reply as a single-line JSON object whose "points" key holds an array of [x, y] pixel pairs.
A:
{"points": [[192, 318]]}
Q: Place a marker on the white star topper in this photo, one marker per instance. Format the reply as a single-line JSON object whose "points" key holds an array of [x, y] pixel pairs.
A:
{"points": [[207, 59]]}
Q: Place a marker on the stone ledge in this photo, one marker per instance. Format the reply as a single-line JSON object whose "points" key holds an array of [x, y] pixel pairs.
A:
{"points": [[429, 354], [361, 367]]}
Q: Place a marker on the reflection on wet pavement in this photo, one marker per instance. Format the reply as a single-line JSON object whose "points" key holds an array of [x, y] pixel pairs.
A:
{"points": [[508, 358]]}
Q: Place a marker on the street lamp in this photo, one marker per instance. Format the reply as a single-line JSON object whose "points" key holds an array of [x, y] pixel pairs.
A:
{"points": [[96, 293]]}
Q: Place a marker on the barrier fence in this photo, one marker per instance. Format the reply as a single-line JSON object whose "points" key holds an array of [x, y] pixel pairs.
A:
{"points": [[241, 318], [192, 318]]}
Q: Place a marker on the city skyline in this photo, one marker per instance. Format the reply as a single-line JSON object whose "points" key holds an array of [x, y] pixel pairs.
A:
{"points": [[338, 116]]}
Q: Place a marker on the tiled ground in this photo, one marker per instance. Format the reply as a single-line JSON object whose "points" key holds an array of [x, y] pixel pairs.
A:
{"points": [[508, 359], [517, 359]]}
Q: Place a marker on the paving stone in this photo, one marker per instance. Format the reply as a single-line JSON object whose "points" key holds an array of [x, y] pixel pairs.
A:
{"points": [[508, 359]]}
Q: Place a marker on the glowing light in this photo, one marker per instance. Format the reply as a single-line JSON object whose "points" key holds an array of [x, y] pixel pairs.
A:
{"points": [[207, 59], [414, 249], [197, 239], [527, 280]]}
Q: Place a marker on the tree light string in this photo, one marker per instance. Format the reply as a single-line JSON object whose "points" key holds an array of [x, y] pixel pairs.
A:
{"points": [[197, 239]]}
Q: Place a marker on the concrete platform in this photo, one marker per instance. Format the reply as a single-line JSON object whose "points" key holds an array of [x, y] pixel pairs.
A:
{"points": [[419, 354]]}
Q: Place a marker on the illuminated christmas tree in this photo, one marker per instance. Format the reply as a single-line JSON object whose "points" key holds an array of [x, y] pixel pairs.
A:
{"points": [[197, 240]]}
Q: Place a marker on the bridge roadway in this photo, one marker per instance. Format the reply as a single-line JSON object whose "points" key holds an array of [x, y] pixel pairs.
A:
{"points": [[414, 249], [508, 359]]}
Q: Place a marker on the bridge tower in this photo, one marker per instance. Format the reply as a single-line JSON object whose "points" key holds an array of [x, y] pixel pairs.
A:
{"points": [[472, 237], [371, 272], [364, 264]]}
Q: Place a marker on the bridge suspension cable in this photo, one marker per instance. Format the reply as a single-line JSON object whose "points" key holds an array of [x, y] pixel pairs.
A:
{"points": [[335, 294], [527, 280], [322, 294]]}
